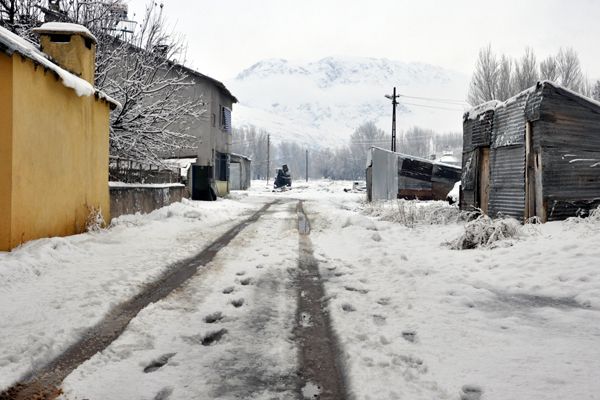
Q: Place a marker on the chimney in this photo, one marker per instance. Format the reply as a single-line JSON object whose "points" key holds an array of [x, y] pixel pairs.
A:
{"points": [[71, 46]]}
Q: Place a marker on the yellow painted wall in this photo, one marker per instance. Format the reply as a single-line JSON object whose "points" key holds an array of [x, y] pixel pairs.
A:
{"points": [[74, 56], [5, 148], [60, 155]]}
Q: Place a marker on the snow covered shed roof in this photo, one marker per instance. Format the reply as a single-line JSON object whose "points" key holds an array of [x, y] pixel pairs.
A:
{"points": [[11, 43], [235, 157], [493, 105]]}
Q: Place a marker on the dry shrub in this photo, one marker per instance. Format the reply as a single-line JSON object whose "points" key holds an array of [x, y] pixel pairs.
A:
{"points": [[589, 223], [485, 232], [413, 212], [95, 220]]}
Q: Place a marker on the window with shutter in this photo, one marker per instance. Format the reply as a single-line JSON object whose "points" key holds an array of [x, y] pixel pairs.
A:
{"points": [[225, 119]]}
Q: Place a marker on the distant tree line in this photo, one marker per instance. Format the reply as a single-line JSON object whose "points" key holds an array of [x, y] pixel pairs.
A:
{"points": [[500, 77], [345, 162]]}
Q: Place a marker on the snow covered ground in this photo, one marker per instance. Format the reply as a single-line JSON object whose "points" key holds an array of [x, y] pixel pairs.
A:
{"points": [[51, 290], [415, 319], [420, 321]]}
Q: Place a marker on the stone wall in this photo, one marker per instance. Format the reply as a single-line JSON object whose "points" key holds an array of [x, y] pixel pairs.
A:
{"points": [[130, 199]]}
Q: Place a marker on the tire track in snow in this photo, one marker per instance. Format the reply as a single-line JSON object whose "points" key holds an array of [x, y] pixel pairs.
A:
{"points": [[43, 382], [321, 376]]}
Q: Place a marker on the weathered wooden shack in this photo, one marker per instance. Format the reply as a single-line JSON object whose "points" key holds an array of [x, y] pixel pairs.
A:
{"points": [[395, 175], [535, 155]]}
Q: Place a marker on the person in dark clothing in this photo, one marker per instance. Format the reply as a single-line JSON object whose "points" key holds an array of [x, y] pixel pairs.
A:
{"points": [[283, 178]]}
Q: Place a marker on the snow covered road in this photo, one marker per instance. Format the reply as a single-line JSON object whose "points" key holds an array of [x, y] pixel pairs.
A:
{"points": [[227, 333], [408, 317]]}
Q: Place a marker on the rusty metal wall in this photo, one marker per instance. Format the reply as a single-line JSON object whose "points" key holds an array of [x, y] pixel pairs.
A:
{"points": [[507, 181], [425, 179], [477, 130], [568, 137], [565, 132], [507, 159]]}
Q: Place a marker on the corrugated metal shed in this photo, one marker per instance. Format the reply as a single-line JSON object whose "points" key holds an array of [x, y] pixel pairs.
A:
{"points": [[394, 175], [567, 135], [544, 154]]}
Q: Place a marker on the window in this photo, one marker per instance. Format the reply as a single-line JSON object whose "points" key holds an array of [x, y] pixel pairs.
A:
{"points": [[221, 166], [225, 119]]}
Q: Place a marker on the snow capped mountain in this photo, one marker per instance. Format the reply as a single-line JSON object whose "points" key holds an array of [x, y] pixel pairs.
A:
{"points": [[320, 103]]}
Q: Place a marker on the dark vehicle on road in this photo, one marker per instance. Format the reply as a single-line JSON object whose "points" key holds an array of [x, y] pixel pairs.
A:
{"points": [[283, 178]]}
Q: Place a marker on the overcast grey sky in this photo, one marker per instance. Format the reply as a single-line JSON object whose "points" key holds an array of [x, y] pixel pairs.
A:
{"points": [[226, 36]]}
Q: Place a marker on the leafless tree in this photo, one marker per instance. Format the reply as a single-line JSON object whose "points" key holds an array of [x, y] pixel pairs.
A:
{"points": [[505, 79], [365, 136], [156, 107], [526, 72], [137, 70], [484, 83], [596, 91], [569, 69], [549, 69], [252, 142], [19, 16]]}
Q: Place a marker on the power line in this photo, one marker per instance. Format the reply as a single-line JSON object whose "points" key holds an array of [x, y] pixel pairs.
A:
{"points": [[437, 100], [435, 107]]}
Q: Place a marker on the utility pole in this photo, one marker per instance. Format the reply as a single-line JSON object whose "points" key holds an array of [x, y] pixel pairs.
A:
{"points": [[394, 104], [268, 157], [306, 165]]}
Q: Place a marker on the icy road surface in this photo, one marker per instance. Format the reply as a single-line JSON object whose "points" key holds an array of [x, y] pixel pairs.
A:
{"points": [[413, 319]]}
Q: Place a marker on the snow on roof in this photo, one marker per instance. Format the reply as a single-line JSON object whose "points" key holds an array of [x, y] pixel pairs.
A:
{"points": [[478, 110], [409, 157], [11, 43], [65, 28], [448, 159], [240, 156]]}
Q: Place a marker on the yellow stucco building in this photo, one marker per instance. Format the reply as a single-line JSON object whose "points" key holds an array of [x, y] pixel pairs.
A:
{"points": [[54, 135]]}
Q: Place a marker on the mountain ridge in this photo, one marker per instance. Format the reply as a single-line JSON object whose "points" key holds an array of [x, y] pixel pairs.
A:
{"points": [[321, 102]]}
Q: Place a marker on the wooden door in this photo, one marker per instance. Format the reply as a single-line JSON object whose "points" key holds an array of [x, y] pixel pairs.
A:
{"points": [[484, 179], [529, 177]]}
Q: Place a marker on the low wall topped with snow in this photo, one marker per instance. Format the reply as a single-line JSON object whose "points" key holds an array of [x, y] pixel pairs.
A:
{"points": [[127, 198]]}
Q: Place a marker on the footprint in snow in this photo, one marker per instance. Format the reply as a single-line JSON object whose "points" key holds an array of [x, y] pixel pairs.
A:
{"points": [[409, 336], [214, 317], [348, 307], [246, 281], [240, 273], [158, 363], [379, 320], [213, 337], [228, 290], [384, 301], [237, 303], [471, 392], [164, 393], [412, 362], [353, 289]]}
